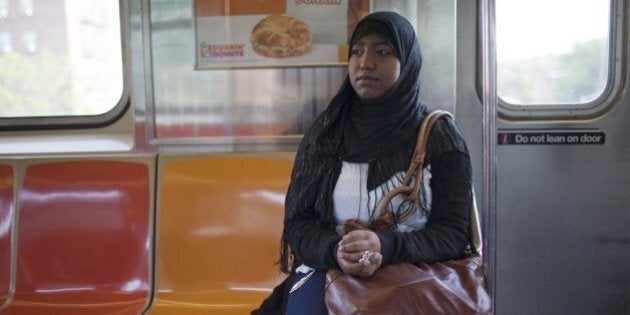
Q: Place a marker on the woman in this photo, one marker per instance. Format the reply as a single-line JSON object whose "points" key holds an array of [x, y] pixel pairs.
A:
{"points": [[357, 150]]}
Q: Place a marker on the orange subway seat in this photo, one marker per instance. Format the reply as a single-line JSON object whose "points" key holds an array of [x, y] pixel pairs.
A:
{"points": [[83, 239], [219, 222]]}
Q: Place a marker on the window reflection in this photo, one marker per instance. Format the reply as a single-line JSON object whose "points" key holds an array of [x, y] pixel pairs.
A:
{"points": [[60, 57], [29, 41], [560, 59], [26, 7], [4, 9], [5, 42]]}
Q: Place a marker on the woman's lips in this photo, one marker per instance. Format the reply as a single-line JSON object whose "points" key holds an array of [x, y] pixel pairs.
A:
{"points": [[366, 79]]}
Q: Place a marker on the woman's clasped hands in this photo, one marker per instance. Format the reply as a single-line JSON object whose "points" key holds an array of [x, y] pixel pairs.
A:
{"points": [[359, 253]]}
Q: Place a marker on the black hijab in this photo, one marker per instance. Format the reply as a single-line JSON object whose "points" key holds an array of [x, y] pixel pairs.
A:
{"points": [[380, 131], [379, 126]]}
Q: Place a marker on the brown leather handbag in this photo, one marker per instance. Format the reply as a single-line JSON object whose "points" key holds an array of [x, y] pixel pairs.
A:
{"points": [[449, 287]]}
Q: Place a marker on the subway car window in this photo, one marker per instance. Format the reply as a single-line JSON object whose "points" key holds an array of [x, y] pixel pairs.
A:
{"points": [[208, 82], [60, 59], [211, 79], [550, 60]]}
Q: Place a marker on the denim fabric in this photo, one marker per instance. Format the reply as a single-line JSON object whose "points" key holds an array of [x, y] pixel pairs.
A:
{"points": [[309, 298]]}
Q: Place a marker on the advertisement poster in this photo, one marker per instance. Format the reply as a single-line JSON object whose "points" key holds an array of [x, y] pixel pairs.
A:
{"points": [[274, 33]]}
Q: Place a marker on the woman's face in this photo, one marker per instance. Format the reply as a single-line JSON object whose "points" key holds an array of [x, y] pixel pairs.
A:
{"points": [[373, 66]]}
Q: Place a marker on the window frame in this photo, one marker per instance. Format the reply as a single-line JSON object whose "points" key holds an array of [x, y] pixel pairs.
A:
{"points": [[84, 121], [582, 111]]}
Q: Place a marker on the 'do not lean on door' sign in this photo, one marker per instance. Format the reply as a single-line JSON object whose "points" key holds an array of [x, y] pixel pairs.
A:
{"points": [[550, 137]]}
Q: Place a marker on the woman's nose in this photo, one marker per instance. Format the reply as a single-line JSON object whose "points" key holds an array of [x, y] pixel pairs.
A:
{"points": [[366, 62]]}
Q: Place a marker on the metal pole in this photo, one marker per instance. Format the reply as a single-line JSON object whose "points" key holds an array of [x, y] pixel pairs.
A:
{"points": [[489, 137]]}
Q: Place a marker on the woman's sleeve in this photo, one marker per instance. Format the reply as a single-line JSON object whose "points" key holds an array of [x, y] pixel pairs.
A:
{"points": [[446, 234], [310, 234], [312, 244]]}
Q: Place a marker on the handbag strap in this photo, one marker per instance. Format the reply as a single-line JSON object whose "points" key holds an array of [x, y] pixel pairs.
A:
{"points": [[476, 237], [410, 186], [412, 182]]}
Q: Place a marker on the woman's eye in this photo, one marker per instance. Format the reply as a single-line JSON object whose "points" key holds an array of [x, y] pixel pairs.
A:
{"points": [[383, 52], [355, 51]]}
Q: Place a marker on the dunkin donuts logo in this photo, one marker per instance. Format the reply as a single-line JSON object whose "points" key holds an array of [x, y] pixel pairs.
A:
{"points": [[222, 50]]}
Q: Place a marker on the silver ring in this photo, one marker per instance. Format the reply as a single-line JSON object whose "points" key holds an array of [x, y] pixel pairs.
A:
{"points": [[365, 259]]}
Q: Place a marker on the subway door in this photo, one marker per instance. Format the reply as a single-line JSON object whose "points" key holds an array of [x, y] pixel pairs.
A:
{"points": [[562, 217]]}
